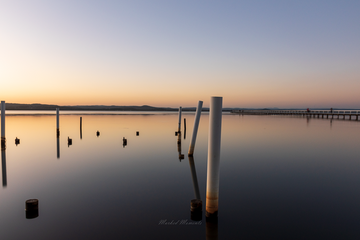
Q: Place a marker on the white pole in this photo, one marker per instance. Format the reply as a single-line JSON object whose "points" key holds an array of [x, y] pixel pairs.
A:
{"points": [[212, 185], [3, 120], [196, 126], [179, 127]]}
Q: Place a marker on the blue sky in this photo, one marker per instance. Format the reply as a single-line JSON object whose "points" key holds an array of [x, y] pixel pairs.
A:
{"points": [[171, 53]]}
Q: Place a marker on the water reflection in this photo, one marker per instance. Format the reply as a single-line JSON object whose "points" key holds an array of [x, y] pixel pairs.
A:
{"points": [[194, 177], [211, 229], [58, 147], [3, 166], [196, 204]]}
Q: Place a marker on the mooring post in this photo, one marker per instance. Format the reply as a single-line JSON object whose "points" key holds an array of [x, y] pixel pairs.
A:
{"points": [[179, 127], [212, 183], [80, 127], [57, 123], [3, 139], [32, 208], [195, 129], [184, 128]]}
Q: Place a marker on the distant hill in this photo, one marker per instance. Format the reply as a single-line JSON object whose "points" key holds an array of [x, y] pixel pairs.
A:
{"points": [[38, 106]]}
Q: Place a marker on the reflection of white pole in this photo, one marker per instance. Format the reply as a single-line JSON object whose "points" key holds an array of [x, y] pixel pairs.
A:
{"points": [[57, 122], [2, 120], [212, 185], [179, 128], [196, 126], [194, 177]]}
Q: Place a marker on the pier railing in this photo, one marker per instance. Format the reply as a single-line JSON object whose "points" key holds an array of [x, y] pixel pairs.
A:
{"points": [[349, 114]]}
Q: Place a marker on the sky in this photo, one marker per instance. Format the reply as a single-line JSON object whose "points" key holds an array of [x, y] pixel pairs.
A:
{"points": [[170, 53]]}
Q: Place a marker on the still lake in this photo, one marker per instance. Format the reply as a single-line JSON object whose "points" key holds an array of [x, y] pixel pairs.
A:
{"points": [[283, 177]]}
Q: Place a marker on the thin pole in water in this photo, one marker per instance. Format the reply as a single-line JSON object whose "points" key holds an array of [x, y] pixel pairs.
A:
{"points": [[57, 123], [212, 185], [80, 127], [3, 125], [179, 127], [196, 126]]}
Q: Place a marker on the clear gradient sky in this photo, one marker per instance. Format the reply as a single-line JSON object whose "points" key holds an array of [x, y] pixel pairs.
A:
{"points": [[170, 53]]}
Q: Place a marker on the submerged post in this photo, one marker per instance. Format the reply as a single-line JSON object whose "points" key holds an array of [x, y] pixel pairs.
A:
{"points": [[3, 125], [57, 123], [213, 164], [195, 129], [179, 127]]}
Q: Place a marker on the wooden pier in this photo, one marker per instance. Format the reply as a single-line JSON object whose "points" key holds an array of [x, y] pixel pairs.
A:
{"points": [[328, 114]]}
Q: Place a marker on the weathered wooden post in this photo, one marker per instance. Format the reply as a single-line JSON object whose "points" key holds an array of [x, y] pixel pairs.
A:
{"points": [[32, 208], [80, 127], [3, 139], [57, 123], [184, 128], [3, 166], [179, 127], [195, 129], [213, 164]]}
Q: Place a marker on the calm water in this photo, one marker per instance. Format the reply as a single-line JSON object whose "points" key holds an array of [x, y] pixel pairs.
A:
{"points": [[281, 177]]}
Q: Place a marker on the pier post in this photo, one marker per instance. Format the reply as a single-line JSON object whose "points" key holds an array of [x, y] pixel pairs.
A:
{"points": [[57, 123], [179, 126], [3, 139], [195, 129], [213, 163]]}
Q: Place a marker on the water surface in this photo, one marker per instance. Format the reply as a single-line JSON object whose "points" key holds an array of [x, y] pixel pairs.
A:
{"points": [[281, 177]]}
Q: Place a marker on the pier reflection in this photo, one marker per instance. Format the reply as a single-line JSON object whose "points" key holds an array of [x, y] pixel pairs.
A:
{"points": [[3, 167]]}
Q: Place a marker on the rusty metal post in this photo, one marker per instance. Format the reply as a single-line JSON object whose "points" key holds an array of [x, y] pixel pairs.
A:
{"points": [[213, 164]]}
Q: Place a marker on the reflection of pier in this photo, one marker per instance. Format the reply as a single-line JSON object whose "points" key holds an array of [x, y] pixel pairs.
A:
{"points": [[3, 167], [335, 114]]}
